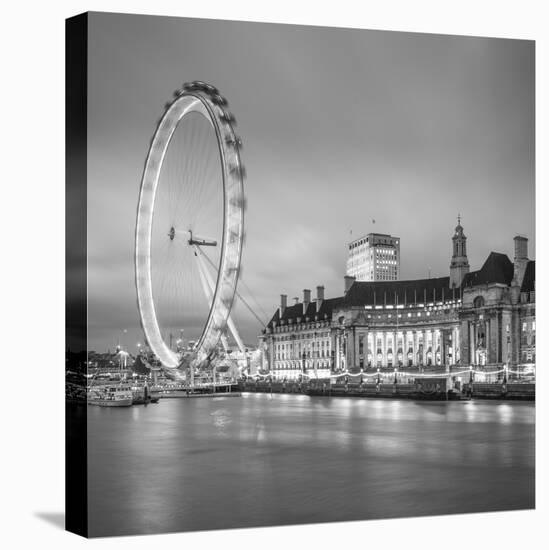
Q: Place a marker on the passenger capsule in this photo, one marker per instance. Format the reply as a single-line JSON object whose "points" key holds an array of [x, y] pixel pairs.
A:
{"points": [[212, 90], [228, 117], [219, 100], [238, 171], [235, 142]]}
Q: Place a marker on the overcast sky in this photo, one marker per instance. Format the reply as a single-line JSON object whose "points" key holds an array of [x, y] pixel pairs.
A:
{"points": [[339, 126]]}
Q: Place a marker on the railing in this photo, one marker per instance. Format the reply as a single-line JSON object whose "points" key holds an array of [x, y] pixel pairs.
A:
{"points": [[406, 385]]}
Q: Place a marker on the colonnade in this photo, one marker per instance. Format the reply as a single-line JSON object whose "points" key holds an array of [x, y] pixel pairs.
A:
{"points": [[362, 347], [489, 338]]}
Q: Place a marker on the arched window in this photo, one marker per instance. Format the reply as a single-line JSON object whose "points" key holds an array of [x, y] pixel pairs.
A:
{"points": [[478, 302]]}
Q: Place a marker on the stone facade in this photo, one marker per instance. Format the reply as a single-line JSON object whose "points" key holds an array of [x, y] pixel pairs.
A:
{"points": [[484, 318], [299, 338], [387, 336]]}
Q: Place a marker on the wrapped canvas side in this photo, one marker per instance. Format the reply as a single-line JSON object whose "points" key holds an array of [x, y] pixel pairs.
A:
{"points": [[76, 494]]}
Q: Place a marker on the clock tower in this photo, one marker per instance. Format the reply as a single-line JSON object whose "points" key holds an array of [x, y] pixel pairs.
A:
{"points": [[459, 265]]}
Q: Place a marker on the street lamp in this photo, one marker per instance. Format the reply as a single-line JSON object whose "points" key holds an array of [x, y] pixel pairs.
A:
{"points": [[470, 380]]}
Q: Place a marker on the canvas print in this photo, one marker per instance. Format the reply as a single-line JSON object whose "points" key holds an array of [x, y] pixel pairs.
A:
{"points": [[300, 274]]}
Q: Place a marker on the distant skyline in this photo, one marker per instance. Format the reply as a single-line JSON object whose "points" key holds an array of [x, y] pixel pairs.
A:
{"points": [[339, 126]]}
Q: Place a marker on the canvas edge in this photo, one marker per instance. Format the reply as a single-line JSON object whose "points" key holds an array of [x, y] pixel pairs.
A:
{"points": [[76, 82]]}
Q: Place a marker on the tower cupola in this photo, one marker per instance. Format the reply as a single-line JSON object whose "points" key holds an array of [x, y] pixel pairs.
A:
{"points": [[459, 266]]}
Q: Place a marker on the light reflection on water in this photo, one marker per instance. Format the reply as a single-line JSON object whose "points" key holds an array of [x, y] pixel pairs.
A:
{"points": [[187, 464], [505, 413]]}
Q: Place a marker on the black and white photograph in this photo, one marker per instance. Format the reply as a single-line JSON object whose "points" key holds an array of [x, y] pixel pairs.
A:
{"points": [[301, 274], [287, 253]]}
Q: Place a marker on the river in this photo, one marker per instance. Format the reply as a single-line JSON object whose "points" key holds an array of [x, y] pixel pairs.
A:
{"points": [[258, 460]]}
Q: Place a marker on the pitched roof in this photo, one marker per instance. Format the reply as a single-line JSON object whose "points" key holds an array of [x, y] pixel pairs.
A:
{"points": [[372, 293], [497, 268], [529, 280], [379, 293], [295, 311]]}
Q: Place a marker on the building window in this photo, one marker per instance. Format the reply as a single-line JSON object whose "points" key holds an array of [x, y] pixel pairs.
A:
{"points": [[478, 302]]}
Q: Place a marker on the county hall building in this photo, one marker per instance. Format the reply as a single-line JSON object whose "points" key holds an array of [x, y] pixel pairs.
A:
{"points": [[483, 318]]}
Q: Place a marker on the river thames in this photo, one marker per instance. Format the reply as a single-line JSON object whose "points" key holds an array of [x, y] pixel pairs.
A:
{"points": [[259, 460]]}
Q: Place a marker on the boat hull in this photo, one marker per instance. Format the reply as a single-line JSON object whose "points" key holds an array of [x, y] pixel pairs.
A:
{"points": [[111, 402]]}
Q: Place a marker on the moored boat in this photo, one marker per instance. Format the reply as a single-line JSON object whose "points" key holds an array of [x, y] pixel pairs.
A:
{"points": [[110, 396]]}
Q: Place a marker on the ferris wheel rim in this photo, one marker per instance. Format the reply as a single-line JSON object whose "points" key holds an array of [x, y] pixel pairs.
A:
{"points": [[195, 99]]}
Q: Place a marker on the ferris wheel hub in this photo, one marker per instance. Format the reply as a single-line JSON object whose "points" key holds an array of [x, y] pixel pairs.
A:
{"points": [[200, 241]]}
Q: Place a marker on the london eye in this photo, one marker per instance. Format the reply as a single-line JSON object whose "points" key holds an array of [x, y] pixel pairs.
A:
{"points": [[190, 227]]}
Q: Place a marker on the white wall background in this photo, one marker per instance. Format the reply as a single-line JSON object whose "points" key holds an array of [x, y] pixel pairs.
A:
{"points": [[32, 270]]}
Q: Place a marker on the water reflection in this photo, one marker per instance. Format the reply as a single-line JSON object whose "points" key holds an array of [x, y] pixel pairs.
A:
{"points": [[506, 413], [269, 460]]}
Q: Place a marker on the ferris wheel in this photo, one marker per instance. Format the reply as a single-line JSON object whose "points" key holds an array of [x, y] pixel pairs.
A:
{"points": [[190, 227]]}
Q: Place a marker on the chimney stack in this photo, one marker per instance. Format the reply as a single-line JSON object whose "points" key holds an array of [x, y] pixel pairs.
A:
{"points": [[283, 303], [306, 300], [349, 280], [521, 259], [296, 300], [319, 297], [521, 248]]}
